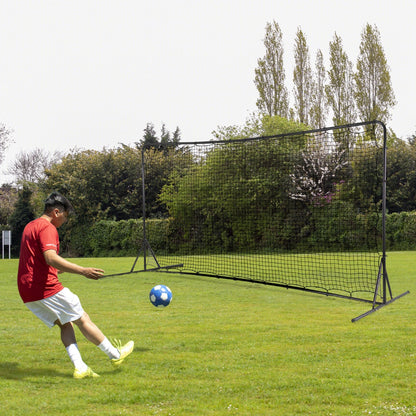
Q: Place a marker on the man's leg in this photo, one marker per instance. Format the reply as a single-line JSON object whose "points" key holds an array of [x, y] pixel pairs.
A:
{"points": [[67, 333], [90, 330], [69, 340], [93, 334]]}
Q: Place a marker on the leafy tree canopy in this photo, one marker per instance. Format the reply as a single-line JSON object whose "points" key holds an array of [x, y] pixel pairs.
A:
{"points": [[259, 125]]}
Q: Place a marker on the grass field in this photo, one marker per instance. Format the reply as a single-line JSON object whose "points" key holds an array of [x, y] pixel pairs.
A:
{"points": [[220, 348]]}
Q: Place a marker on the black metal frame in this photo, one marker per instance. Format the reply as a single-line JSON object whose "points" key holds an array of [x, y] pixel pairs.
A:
{"points": [[382, 283]]}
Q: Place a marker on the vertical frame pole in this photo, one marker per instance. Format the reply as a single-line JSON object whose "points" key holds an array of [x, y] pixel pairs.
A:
{"points": [[144, 211], [384, 209]]}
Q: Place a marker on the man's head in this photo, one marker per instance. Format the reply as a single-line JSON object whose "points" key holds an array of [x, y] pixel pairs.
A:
{"points": [[56, 200], [57, 207]]}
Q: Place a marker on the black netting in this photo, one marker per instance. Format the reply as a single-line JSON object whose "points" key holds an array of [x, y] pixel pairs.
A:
{"points": [[302, 210]]}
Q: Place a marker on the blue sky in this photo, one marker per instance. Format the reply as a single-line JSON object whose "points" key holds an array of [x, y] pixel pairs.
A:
{"points": [[92, 73]]}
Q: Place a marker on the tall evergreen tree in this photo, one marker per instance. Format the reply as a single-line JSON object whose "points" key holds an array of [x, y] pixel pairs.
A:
{"points": [[149, 137], [319, 106], [270, 75], [339, 91], [373, 93], [176, 138], [167, 139], [22, 215], [302, 79]]}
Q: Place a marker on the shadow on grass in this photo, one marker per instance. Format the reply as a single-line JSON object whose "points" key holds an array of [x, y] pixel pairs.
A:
{"points": [[13, 371]]}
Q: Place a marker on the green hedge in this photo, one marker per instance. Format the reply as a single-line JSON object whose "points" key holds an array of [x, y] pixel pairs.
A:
{"points": [[124, 238], [401, 231], [113, 238]]}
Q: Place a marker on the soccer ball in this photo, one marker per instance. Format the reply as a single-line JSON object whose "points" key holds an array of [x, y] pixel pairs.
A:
{"points": [[160, 296]]}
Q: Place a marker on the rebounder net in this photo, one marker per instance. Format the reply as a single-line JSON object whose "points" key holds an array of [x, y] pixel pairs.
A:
{"points": [[302, 210]]}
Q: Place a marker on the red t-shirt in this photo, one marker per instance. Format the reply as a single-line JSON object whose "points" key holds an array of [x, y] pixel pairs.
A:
{"points": [[37, 280]]}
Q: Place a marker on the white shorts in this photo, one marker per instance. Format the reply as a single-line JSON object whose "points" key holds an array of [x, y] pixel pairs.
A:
{"points": [[63, 307]]}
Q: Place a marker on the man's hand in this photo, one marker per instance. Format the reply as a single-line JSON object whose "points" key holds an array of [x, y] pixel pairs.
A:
{"points": [[92, 273]]}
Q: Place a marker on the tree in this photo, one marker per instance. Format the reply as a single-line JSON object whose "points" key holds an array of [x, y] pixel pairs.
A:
{"points": [[149, 138], [401, 176], [176, 138], [23, 214], [319, 105], [339, 91], [167, 140], [101, 185], [205, 202], [302, 79], [259, 125], [8, 199], [30, 166], [107, 184], [270, 75], [4, 140], [373, 93], [314, 176], [164, 137]]}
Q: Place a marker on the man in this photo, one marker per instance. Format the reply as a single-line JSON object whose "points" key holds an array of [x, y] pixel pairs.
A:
{"points": [[43, 293]]}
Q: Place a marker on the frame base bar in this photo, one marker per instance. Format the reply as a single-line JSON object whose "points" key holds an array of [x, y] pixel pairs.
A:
{"points": [[173, 266], [378, 307]]}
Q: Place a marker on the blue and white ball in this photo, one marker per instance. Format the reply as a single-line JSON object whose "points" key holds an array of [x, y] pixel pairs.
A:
{"points": [[160, 296]]}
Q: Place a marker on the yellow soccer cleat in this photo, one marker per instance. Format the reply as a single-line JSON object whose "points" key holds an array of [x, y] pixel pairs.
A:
{"points": [[85, 374], [124, 350]]}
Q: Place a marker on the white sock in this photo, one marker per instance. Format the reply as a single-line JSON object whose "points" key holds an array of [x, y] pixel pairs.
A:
{"points": [[76, 358], [107, 347]]}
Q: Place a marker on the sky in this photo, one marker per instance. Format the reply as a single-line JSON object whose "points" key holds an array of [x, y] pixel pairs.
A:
{"points": [[89, 74]]}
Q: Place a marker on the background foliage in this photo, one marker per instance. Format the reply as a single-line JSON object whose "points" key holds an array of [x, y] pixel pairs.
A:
{"points": [[107, 186]]}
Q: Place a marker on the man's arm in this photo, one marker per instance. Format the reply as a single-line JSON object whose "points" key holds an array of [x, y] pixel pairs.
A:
{"points": [[55, 260]]}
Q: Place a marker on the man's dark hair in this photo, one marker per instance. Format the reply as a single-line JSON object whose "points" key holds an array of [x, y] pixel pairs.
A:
{"points": [[56, 200]]}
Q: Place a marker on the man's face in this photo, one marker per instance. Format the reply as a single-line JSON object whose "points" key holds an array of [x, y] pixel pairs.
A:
{"points": [[59, 217]]}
